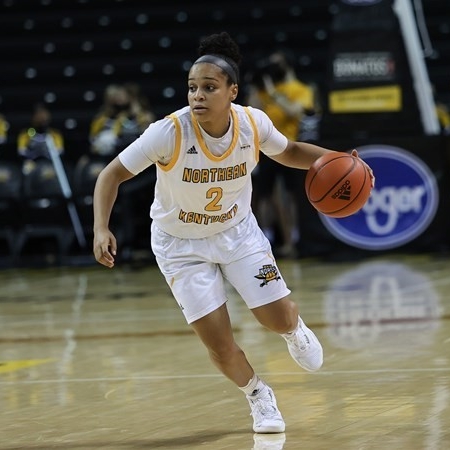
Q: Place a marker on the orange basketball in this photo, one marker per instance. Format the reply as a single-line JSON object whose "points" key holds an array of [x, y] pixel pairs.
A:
{"points": [[338, 184]]}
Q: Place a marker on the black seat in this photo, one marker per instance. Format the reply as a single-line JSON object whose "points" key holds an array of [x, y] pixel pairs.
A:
{"points": [[10, 189], [45, 212]]}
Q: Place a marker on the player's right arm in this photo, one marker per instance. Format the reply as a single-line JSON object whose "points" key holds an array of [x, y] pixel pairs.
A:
{"points": [[105, 195]]}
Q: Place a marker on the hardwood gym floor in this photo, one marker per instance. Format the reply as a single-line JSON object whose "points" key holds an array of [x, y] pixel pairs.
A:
{"points": [[92, 358]]}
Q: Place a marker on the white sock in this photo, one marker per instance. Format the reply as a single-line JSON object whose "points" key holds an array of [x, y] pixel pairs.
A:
{"points": [[254, 384]]}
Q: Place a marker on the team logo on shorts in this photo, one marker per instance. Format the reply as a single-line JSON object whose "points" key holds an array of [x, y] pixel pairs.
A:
{"points": [[267, 273]]}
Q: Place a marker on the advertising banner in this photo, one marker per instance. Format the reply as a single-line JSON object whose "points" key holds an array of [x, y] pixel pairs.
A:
{"points": [[407, 209], [369, 89], [401, 206]]}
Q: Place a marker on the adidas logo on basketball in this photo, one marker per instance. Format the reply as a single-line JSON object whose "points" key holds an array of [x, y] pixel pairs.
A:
{"points": [[344, 192], [192, 151]]}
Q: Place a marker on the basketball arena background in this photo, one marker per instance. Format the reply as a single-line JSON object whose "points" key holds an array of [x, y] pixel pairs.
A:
{"points": [[380, 66]]}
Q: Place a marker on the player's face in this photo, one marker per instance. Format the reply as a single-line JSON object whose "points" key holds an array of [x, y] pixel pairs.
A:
{"points": [[210, 97]]}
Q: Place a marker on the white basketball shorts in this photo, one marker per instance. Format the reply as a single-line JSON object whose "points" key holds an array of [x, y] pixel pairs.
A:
{"points": [[195, 269]]}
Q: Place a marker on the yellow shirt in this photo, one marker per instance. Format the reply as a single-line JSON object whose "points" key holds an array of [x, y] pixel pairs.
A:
{"points": [[26, 136], [4, 126], [443, 115], [293, 90]]}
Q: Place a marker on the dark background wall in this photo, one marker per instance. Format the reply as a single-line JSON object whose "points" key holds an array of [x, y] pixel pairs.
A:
{"points": [[65, 52]]}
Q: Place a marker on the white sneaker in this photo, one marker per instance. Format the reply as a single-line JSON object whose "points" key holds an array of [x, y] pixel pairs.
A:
{"points": [[269, 441], [266, 417], [304, 347]]}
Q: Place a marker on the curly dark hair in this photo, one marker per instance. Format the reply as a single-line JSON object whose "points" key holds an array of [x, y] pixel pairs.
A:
{"points": [[220, 44], [223, 45]]}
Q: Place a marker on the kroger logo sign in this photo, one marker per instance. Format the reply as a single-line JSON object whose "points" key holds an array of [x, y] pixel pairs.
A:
{"points": [[402, 204]]}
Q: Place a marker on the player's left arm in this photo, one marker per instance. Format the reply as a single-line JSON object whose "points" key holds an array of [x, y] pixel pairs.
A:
{"points": [[299, 155]]}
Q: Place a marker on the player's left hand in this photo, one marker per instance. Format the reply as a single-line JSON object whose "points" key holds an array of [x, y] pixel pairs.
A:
{"points": [[372, 176]]}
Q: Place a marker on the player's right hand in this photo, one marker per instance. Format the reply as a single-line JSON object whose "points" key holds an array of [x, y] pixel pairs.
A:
{"points": [[105, 247]]}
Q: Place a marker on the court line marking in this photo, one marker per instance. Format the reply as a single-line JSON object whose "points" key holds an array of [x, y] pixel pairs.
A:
{"points": [[211, 375]]}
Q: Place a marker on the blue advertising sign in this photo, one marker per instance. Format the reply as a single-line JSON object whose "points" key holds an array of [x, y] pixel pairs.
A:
{"points": [[401, 206]]}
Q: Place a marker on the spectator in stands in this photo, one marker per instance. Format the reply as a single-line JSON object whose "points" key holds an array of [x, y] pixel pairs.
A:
{"points": [[4, 127], [32, 141], [124, 116], [140, 109], [106, 125], [275, 88], [121, 119]]}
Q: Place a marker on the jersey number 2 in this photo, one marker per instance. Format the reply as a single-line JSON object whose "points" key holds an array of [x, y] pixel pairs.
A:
{"points": [[216, 195]]}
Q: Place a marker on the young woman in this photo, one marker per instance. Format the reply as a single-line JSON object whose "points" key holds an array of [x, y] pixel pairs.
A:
{"points": [[203, 230]]}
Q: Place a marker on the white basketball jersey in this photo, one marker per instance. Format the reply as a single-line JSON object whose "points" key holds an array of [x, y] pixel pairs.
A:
{"points": [[199, 194]]}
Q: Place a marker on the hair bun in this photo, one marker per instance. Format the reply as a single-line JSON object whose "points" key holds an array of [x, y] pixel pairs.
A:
{"points": [[220, 44]]}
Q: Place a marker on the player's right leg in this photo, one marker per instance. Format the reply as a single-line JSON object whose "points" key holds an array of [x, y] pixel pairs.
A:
{"points": [[215, 331]]}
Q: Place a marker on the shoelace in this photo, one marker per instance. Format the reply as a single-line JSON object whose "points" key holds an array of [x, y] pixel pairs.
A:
{"points": [[301, 342], [261, 406]]}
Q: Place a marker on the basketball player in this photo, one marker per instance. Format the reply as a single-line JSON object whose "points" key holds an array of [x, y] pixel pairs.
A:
{"points": [[203, 231]]}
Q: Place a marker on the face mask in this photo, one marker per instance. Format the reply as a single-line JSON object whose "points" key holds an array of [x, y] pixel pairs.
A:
{"points": [[121, 108], [41, 129]]}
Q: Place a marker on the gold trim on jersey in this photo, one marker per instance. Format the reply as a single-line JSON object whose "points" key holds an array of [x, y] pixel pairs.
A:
{"points": [[255, 132], [176, 151], [204, 147]]}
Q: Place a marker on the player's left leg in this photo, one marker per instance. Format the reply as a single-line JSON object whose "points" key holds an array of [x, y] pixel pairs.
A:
{"points": [[252, 270], [281, 316]]}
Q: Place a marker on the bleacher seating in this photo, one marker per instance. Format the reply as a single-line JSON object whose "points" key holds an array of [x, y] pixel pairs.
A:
{"points": [[64, 53]]}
